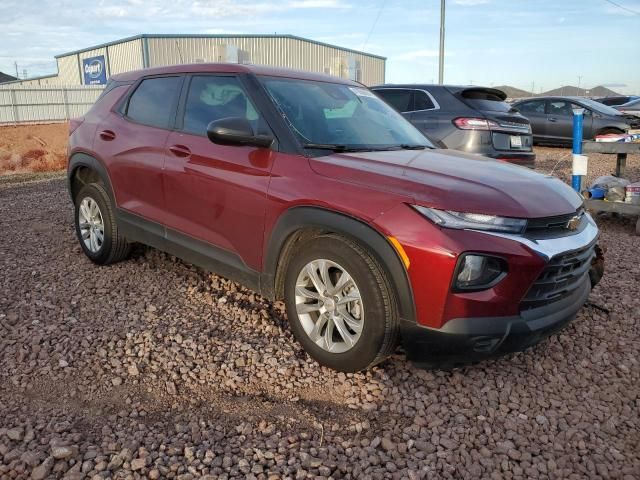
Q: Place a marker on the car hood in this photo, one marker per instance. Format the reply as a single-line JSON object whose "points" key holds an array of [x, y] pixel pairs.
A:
{"points": [[452, 180]]}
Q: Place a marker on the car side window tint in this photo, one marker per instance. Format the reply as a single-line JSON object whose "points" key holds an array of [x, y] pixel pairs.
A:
{"points": [[153, 101], [422, 101], [560, 107], [586, 112], [537, 106], [214, 97], [398, 98]]}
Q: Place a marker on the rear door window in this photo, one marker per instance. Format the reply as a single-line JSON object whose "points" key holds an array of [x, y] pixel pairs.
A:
{"points": [[535, 106], [422, 101], [153, 103], [560, 108], [484, 100], [214, 97], [398, 98]]}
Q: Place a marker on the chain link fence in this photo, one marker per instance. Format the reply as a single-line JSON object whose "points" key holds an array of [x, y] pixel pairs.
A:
{"points": [[45, 104]]}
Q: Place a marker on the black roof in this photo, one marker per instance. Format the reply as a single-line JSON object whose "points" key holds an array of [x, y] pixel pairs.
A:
{"points": [[6, 78]]}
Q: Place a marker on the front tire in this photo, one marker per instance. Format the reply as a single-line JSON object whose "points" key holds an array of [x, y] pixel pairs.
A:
{"points": [[96, 226], [340, 305]]}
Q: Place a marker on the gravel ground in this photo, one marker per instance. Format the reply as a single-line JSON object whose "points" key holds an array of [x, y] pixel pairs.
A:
{"points": [[152, 368]]}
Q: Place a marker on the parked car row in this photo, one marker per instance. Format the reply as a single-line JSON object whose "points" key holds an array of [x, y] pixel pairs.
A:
{"points": [[471, 119], [552, 118], [479, 120]]}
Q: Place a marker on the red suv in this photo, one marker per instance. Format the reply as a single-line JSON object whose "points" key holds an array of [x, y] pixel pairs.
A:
{"points": [[311, 189]]}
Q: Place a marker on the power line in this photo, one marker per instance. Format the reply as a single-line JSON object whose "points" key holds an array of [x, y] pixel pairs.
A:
{"points": [[635, 12], [375, 22]]}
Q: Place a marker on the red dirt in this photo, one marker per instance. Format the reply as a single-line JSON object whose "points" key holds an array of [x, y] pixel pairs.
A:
{"points": [[33, 148]]}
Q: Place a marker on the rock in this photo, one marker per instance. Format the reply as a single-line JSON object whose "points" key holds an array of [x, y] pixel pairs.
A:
{"points": [[15, 434], [116, 381], [63, 452], [133, 370], [387, 444], [138, 463], [43, 470]]}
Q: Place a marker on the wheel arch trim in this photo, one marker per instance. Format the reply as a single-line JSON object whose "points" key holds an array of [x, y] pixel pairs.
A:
{"points": [[308, 218], [82, 159]]}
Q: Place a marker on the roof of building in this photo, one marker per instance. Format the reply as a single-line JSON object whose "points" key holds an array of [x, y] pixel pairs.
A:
{"points": [[232, 68], [6, 78], [172, 35]]}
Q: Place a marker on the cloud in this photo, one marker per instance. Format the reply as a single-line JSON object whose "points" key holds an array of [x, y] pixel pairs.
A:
{"points": [[417, 54]]}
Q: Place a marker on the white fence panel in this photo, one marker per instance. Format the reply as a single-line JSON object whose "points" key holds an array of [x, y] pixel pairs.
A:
{"points": [[45, 104]]}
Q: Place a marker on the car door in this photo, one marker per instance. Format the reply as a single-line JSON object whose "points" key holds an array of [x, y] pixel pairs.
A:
{"points": [[587, 122], [560, 120], [216, 193], [132, 143], [429, 117], [534, 110]]}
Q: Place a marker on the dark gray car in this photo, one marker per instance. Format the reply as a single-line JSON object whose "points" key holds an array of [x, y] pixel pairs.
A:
{"points": [[468, 118], [630, 108], [552, 118]]}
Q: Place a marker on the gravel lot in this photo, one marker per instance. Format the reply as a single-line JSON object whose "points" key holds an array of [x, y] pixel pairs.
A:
{"points": [[152, 368]]}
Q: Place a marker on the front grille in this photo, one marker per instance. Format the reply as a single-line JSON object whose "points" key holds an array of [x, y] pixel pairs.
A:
{"points": [[538, 228], [560, 278]]}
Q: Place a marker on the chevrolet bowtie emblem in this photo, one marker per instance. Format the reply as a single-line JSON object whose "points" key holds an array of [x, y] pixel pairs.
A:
{"points": [[574, 223]]}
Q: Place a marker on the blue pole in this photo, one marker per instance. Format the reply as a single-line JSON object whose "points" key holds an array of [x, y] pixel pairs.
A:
{"points": [[576, 180]]}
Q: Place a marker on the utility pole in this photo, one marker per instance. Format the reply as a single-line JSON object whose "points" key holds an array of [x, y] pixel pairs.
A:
{"points": [[579, 80], [533, 92], [16, 65], [441, 56]]}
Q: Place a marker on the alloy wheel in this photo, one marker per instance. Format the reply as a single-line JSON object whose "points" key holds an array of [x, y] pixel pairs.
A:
{"points": [[91, 224], [329, 306]]}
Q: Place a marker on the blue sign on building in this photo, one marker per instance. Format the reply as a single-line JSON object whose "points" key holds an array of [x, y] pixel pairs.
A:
{"points": [[94, 71]]}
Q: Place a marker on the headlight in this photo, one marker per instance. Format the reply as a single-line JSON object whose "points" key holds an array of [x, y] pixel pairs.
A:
{"points": [[475, 271], [472, 221]]}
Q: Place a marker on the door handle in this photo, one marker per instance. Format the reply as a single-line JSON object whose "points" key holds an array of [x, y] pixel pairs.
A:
{"points": [[107, 135], [180, 151], [553, 119]]}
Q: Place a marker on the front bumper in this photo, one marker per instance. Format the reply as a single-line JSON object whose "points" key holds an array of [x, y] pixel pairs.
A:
{"points": [[464, 340]]}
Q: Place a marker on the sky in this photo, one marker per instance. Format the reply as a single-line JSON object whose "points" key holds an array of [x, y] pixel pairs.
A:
{"points": [[542, 44]]}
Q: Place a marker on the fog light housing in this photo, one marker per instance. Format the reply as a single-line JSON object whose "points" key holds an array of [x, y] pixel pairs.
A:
{"points": [[478, 272]]}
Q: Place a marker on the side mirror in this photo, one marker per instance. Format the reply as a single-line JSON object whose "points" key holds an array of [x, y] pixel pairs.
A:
{"points": [[236, 131]]}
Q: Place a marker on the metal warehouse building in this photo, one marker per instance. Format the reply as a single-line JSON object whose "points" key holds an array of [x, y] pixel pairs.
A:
{"points": [[94, 65]]}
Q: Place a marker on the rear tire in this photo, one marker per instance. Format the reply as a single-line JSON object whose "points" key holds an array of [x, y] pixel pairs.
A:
{"points": [[96, 226], [340, 305], [606, 131]]}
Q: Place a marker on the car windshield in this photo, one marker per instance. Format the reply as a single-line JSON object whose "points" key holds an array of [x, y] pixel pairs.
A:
{"points": [[599, 107], [335, 116], [632, 103], [485, 101]]}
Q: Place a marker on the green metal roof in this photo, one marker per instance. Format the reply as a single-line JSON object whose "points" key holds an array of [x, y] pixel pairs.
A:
{"points": [[172, 35]]}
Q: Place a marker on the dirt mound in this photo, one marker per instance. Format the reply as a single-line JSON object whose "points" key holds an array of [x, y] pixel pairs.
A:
{"points": [[33, 148]]}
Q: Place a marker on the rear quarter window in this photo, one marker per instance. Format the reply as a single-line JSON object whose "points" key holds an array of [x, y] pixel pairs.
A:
{"points": [[153, 101], [398, 98]]}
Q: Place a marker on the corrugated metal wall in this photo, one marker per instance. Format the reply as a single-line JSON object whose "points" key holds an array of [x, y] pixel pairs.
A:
{"points": [[45, 104], [124, 57], [68, 70], [274, 51]]}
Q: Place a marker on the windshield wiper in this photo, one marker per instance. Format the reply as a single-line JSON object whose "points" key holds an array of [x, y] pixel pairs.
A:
{"points": [[337, 148], [364, 148], [406, 146]]}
